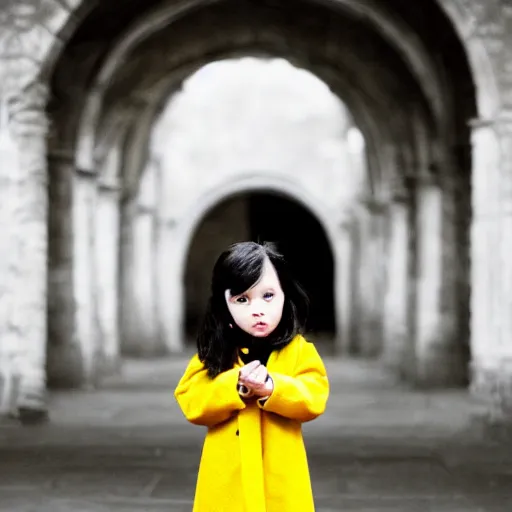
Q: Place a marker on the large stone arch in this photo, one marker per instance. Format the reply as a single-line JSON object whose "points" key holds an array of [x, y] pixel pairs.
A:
{"points": [[360, 106], [480, 27], [98, 114], [365, 109], [396, 32]]}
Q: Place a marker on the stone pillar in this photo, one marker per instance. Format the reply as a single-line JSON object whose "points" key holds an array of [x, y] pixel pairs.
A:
{"points": [[64, 354], [28, 248], [343, 291], [370, 272], [143, 280], [380, 249], [84, 227], [127, 323], [107, 265], [171, 251], [9, 346], [491, 275], [141, 240], [396, 325], [171, 296], [438, 361], [505, 135]]}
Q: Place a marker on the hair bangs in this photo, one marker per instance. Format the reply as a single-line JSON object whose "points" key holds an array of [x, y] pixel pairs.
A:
{"points": [[240, 270]]}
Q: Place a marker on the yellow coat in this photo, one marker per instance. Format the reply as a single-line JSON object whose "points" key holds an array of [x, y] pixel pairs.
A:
{"points": [[253, 458]]}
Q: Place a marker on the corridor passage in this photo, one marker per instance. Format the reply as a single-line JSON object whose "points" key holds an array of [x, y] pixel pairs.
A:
{"points": [[379, 448]]}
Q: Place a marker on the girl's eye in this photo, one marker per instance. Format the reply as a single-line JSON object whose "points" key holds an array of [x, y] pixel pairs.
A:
{"points": [[241, 300], [268, 296]]}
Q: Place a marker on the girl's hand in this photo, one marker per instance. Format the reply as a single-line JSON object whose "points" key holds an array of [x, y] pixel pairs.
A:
{"points": [[256, 379], [243, 389], [249, 368]]}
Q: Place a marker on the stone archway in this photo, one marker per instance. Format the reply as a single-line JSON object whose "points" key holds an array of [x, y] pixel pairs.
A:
{"points": [[481, 28], [263, 216], [175, 254]]}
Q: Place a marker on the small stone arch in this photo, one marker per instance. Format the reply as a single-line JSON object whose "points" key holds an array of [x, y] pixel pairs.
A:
{"points": [[261, 182], [186, 227]]}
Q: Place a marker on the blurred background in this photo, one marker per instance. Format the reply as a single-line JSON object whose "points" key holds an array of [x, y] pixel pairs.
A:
{"points": [[270, 120], [371, 140]]}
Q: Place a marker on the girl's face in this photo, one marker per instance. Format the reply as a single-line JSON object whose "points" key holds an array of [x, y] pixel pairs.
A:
{"points": [[259, 309]]}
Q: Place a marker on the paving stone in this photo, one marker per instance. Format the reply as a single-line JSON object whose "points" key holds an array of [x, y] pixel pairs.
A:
{"points": [[378, 448]]}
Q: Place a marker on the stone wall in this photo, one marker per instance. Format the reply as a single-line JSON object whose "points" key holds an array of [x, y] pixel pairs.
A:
{"points": [[393, 61]]}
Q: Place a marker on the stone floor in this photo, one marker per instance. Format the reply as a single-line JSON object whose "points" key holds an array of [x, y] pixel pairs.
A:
{"points": [[379, 447]]}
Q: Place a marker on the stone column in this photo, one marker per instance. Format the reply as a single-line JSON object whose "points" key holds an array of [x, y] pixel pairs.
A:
{"points": [[28, 247], [438, 361], [171, 250], [504, 126], [370, 272], [85, 275], [380, 250], [491, 277], [9, 346], [143, 280], [127, 323], [396, 325], [107, 265], [171, 296], [64, 354], [145, 337], [343, 264]]}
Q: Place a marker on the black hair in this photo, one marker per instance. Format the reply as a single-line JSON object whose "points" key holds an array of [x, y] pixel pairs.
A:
{"points": [[238, 269]]}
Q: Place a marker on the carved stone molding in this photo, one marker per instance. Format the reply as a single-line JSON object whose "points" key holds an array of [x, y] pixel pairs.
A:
{"points": [[399, 189], [143, 209], [428, 177], [30, 34], [503, 122], [63, 156], [501, 125], [374, 205], [494, 385], [27, 111], [86, 173], [109, 187]]}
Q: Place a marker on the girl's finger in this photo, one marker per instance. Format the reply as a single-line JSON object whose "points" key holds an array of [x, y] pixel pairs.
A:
{"points": [[252, 376], [259, 375], [262, 374], [248, 368]]}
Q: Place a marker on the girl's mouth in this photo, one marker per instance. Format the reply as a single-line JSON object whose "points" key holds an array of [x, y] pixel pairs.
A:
{"points": [[260, 325]]}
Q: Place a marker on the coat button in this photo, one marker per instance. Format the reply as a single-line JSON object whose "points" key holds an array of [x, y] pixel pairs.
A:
{"points": [[237, 432]]}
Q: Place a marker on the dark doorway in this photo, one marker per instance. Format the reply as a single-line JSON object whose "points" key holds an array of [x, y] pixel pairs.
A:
{"points": [[271, 217]]}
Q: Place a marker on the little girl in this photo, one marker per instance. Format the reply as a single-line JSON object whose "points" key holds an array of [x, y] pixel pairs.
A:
{"points": [[253, 382]]}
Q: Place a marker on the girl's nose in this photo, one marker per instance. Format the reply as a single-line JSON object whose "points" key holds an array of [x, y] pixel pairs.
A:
{"points": [[257, 314]]}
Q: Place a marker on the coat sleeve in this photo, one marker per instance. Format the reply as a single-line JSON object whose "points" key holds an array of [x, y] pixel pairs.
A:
{"points": [[303, 396], [206, 401]]}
